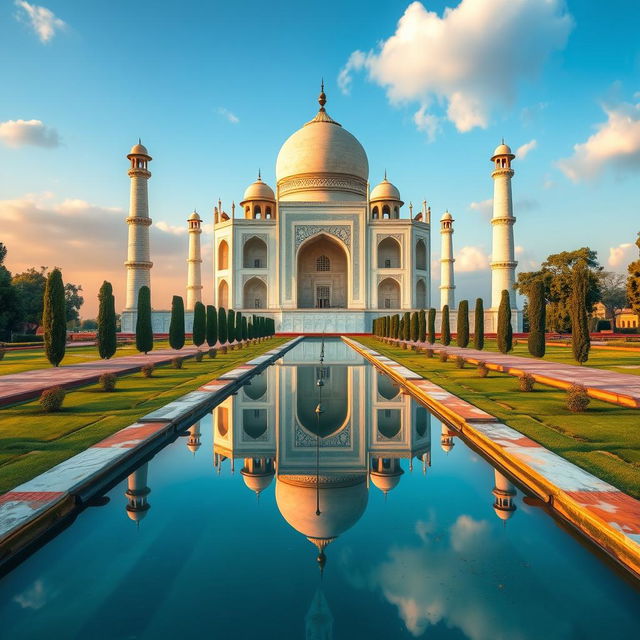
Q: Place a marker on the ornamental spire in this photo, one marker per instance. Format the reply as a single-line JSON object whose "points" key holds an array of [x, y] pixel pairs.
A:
{"points": [[322, 98]]}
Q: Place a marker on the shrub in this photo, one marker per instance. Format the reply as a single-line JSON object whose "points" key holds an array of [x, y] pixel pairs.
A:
{"points": [[444, 356], [403, 345], [526, 382], [51, 399], [483, 370], [460, 362], [223, 349], [577, 398], [429, 353], [212, 353], [107, 381], [176, 363], [147, 370], [199, 356]]}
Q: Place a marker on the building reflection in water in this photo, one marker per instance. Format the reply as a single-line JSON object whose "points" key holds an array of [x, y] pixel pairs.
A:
{"points": [[137, 492]]}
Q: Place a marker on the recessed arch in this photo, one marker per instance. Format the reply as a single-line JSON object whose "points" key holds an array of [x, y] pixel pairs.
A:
{"points": [[329, 286], [421, 294], [222, 420], [389, 422], [386, 387], [421, 255], [254, 422], [389, 294], [223, 294], [254, 294], [389, 253], [254, 253], [258, 386], [223, 255]]}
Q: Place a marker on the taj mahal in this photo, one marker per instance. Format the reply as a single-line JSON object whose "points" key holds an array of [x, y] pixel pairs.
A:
{"points": [[324, 252]]}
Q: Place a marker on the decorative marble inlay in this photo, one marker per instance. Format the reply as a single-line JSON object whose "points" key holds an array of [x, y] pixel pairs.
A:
{"points": [[325, 183], [304, 231], [305, 439]]}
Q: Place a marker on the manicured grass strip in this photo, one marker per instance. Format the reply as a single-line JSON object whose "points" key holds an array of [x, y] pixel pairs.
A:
{"points": [[605, 440], [19, 361], [32, 441]]}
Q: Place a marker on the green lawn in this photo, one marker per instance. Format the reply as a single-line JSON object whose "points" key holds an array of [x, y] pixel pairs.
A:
{"points": [[19, 361], [619, 361], [604, 440], [32, 441]]}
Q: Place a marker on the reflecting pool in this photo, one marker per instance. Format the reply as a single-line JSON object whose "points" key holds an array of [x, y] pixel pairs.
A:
{"points": [[320, 501]]}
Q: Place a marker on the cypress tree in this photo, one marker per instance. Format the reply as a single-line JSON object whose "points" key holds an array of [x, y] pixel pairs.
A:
{"points": [[54, 318], [395, 326], [505, 332], [239, 326], [445, 332], [245, 332], [250, 330], [431, 331], [537, 318], [414, 326], [212, 325], [406, 326], [231, 325], [422, 326], [580, 340], [106, 335], [222, 325], [176, 325], [199, 323], [478, 330], [462, 337], [144, 329]]}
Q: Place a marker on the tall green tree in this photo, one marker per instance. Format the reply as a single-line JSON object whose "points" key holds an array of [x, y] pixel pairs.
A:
{"points": [[395, 326], [10, 311], [580, 341], [245, 329], [557, 275], [222, 325], [478, 329], [414, 326], [239, 326], [212, 325], [633, 283], [30, 286], [406, 326], [537, 319], [422, 325], [144, 329], [231, 325], [431, 326], [445, 332], [505, 332], [250, 330], [176, 324], [72, 302], [199, 324], [462, 337], [106, 335], [54, 320]]}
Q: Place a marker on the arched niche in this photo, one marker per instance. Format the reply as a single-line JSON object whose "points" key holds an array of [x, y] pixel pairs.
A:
{"points": [[322, 274], [421, 255], [386, 388], [222, 420], [223, 255], [254, 254], [421, 294], [223, 294], [389, 254], [389, 294], [257, 388], [254, 294], [389, 422], [254, 422]]}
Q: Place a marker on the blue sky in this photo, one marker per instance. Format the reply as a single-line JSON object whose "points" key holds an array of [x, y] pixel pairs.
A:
{"points": [[215, 88]]}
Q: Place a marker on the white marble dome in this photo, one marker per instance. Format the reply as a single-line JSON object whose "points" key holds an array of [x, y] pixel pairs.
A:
{"points": [[502, 150], [385, 191], [258, 190], [138, 150]]}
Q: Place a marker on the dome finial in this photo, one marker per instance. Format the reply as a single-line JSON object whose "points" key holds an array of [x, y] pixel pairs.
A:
{"points": [[385, 175], [322, 98], [259, 175], [139, 140]]}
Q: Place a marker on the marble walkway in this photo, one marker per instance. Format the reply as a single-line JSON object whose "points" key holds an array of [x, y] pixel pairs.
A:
{"points": [[26, 385], [610, 386]]}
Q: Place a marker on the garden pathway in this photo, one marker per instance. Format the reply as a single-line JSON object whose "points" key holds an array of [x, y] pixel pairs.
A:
{"points": [[610, 386]]}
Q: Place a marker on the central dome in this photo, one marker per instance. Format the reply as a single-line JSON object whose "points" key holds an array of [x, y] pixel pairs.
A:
{"points": [[322, 161]]}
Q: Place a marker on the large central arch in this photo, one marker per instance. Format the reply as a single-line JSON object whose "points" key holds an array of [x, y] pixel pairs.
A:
{"points": [[322, 274]]}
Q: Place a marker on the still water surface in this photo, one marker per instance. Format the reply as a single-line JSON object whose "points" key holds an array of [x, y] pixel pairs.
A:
{"points": [[417, 536]]}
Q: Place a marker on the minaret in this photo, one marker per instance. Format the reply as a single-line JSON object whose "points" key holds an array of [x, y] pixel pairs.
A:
{"points": [[193, 442], [503, 262], [194, 278], [138, 262], [504, 493], [137, 492], [447, 285]]}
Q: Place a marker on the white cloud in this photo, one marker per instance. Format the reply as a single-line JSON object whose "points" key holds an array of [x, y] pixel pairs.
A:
{"points": [[471, 259], [468, 62], [426, 122], [616, 143], [228, 115], [622, 255], [526, 261], [89, 243], [523, 150], [20, 133], [485, 207], [42, 20]]}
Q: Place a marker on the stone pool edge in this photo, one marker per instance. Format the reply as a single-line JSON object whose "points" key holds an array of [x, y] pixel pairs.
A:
{"points": [[31, 510], [578, 497]]}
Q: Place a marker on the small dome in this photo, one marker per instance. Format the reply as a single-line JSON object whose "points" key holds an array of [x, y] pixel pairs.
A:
{"points": [[504, 513], [258, 190], [194, 216], [502, 150], [384, 481], [138, 513], [446, 216], [385, 191], [257, 482], [139, 150]]}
